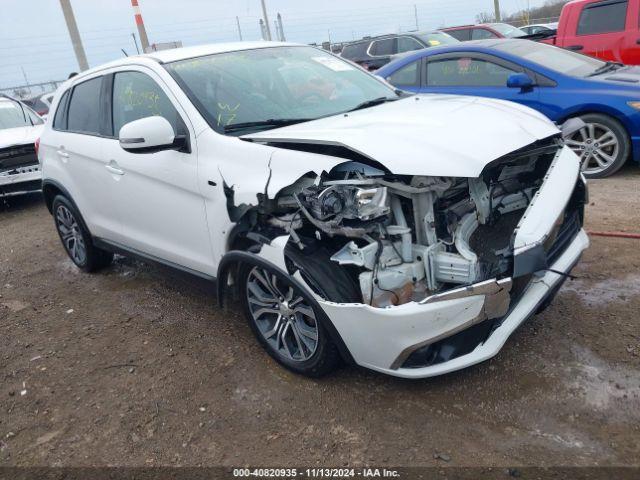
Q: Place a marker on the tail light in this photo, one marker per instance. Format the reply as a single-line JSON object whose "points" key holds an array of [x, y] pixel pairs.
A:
{"points": [[37, 145]]}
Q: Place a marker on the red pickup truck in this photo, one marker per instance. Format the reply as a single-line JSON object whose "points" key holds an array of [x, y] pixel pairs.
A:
{"points": [[607, 29]]}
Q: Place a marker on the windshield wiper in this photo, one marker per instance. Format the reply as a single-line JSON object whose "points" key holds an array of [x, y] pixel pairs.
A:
{"points": [[372, 103], [272, 122], [607, 67]]}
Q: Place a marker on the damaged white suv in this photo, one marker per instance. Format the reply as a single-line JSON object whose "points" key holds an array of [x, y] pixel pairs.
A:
{"points": [[409, 235]]}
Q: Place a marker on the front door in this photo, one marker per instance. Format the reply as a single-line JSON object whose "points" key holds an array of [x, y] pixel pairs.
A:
{"points": [[482, 76], [157, 195]]}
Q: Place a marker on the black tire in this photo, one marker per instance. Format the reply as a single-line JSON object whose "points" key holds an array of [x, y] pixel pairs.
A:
{"points": [[75, 237], [325, 356], [619, 152]]}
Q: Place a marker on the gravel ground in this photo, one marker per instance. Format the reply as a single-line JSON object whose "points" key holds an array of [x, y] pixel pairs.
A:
{"points": [[136, 366]]}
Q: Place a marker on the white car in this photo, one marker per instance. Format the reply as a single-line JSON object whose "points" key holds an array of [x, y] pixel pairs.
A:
{"points": [[546, 28], [408, 235], [20, 127]]}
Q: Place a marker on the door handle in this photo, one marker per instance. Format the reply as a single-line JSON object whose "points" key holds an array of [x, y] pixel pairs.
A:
{"points": [[575, 47], [62, 153], [114, 170]]}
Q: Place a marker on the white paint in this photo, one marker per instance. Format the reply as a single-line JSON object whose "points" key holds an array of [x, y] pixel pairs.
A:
{"points": [[171, 204]]}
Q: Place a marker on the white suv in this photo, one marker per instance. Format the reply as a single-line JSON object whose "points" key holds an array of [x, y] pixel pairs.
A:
{"points": [[409, 235]]}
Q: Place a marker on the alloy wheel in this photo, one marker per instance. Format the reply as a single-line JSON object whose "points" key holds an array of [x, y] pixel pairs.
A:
{"points": [[71, 235], [281, 314], [596, 145]]}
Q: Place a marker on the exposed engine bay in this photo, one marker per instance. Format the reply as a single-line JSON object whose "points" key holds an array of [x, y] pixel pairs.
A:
{"points": [[404, 238]]}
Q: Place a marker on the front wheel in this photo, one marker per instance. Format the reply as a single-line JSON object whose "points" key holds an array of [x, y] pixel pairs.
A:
{"points": [[285, 322], [602, 144]]}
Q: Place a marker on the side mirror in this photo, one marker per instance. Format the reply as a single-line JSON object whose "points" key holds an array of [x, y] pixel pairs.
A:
{"points": [[147, 135], [520, 80]]}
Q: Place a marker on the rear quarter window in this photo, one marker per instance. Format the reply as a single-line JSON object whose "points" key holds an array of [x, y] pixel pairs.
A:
{"points": [[60, 118], [355, 50], [463, 34]]}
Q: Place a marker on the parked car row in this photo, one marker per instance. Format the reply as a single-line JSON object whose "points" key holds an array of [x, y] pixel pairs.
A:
{"points": [[375, 52]]}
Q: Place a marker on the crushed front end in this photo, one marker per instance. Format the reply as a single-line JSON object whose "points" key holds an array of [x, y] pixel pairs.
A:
{"points": [[444, 268]]}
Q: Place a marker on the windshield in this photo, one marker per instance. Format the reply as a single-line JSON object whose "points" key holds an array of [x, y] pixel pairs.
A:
{"points": [[13, 116], [553, 58], [277, 83], [508, 30], [434, 39]]}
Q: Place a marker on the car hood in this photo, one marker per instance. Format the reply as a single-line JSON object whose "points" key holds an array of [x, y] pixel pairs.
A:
{"points": [[624, 77], [439, 135], [19, 135]]}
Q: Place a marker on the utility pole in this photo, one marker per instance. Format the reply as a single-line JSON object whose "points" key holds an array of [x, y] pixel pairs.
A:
{"points": [[266, 21], [142, 33], [239, 30], [263, 30], [496, 6], [70, 20], [415, 14], [280, 29], [135, 42]]}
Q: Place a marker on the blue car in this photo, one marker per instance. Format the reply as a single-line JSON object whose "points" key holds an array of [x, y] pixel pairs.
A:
{"points": [[558, 83]]}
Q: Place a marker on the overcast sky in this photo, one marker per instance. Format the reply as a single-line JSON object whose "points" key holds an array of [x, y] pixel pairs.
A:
{"points": [[34, 36]]}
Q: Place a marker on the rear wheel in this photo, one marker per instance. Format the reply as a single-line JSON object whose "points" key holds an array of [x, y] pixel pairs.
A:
{"points": [[76, 239], [602, 144]]}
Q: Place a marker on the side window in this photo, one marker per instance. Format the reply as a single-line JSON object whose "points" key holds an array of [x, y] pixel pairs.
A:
{"points": [[407, 44], [481, 34], [463, 34], [59, 121], [383, 47], [407, 76], [84, 108], [355, 51], [467, 72], [136, 96], [603, 17]]}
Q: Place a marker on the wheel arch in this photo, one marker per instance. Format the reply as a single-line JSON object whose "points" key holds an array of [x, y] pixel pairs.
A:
{"points": [[234, 259], [51, 189]]}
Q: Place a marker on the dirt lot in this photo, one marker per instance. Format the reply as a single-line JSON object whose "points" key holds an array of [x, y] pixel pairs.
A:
{"points": [[137, 366]]}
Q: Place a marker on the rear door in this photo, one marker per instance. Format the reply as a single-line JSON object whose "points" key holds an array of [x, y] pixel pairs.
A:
{"points": [[157, 193], [74, 146], [475, 74], [598, 29], [631, 44]]}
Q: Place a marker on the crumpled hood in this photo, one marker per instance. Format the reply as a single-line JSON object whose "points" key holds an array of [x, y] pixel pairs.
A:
{"points": [[19, 135], [438, 135]]}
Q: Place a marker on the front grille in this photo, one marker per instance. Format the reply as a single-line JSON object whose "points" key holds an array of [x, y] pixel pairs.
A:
{"points": [[17, 156]]}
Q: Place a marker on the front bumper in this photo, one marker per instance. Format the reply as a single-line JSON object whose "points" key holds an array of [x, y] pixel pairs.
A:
{"points": [[376, 337]]}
